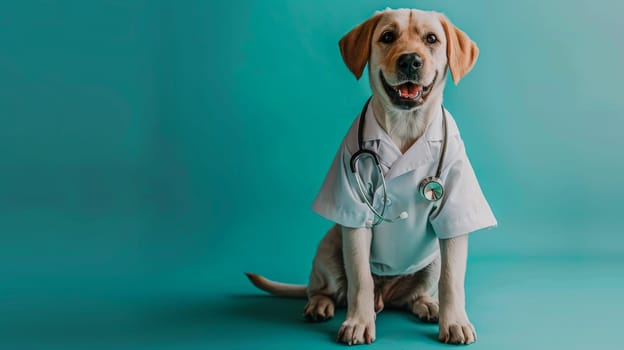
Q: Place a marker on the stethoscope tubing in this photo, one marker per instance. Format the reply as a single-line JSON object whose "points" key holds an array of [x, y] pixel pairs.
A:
{"points": [[364, 152]]}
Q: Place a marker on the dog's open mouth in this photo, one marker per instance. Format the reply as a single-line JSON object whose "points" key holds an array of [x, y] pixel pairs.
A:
{"points": [[407, 95]]}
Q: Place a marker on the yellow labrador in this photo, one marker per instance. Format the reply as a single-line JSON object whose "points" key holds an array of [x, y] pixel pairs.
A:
{"points": [[394, 43]]}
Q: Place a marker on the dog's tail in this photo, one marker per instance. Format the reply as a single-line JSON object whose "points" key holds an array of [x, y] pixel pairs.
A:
{"points": [[277, 288]]}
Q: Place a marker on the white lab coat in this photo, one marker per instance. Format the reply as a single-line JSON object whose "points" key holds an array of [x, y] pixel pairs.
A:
{"points": [[405, 246]]}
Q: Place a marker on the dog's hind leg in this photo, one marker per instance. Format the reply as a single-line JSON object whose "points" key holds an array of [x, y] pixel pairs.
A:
{"points": [[423, 302], [327, 286], [417, 292], [319, 308]]}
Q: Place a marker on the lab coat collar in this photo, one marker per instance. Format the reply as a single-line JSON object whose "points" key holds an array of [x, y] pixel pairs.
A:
{"points": [[374, 132], [419, 154]]}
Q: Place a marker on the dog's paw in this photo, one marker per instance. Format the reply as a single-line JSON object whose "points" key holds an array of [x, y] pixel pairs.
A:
{"points": [[456, 330], [426, 309], [319, 308], [358, 329]]}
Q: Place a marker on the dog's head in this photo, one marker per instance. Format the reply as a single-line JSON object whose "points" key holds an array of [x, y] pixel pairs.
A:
{"points": [[408, 52]]}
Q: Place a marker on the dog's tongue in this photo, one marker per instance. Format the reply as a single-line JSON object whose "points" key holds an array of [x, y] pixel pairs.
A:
{"points": [[410, 90]]}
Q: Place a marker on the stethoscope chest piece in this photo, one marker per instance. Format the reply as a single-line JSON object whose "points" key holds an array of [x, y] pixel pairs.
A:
{"points": [[431, 189]]}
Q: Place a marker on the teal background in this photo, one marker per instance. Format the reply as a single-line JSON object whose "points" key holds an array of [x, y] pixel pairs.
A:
{"points": [[152, 151]]}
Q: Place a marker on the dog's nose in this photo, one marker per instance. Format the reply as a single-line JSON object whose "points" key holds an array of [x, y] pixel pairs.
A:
{"points": [[408, 63]]}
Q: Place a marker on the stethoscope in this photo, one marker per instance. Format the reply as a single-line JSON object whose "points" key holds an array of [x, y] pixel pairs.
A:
{"points": [[430, 188]]}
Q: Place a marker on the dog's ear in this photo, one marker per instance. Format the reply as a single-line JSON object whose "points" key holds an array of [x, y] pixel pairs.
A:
{"points": [[355, 46], [461, 52]]}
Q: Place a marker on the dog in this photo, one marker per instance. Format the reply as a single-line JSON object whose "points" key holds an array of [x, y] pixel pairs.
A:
{"points": [[409, 53]]}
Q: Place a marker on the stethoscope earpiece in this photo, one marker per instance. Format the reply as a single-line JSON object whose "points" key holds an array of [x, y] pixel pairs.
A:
{"points": [[430, 188]]}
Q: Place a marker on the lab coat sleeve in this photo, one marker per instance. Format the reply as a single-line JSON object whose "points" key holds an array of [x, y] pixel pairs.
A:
{"points": [[463, 209], [338, 199]]}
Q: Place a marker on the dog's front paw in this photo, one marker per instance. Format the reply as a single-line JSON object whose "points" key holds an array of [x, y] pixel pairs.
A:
{"points": [[456, 329], [357, 329]]}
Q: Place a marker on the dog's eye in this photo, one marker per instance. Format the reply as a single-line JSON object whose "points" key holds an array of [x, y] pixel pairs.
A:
{"points": [[432, 38], [387, 37]]}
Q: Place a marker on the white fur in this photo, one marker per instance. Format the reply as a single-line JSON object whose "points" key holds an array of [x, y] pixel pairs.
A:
{"points": [[359, 326], [454, 324]]}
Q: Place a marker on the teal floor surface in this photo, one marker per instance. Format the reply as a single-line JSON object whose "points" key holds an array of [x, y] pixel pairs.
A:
{"points": [[514, 304]]}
